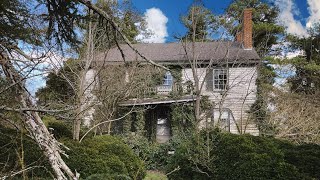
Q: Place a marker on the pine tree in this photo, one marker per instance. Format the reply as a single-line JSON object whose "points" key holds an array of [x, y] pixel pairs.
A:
{"points": [[265, 34], [307, 76], [264, 18], [199, 21]]}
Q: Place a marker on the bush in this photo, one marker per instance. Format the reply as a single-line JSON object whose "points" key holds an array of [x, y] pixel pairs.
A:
{"points": [[60, 130], [305, 157], [101, 157], [154, 155], [104, 156], [216, 155], [12, 144]]}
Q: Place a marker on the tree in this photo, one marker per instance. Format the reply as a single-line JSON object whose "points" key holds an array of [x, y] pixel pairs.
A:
{"points": [[265, 34], [61, 18], [264, 18], [200, 23], [306, 79], [295, 116]]}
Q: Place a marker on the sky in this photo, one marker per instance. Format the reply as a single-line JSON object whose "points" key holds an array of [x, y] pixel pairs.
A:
{"points": [[163, 19], [162, 16]]}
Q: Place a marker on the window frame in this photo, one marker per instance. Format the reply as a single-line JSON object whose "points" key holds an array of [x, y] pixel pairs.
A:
{"points": [[168, 79], [211, 86], [223, 124], [225, 85]]}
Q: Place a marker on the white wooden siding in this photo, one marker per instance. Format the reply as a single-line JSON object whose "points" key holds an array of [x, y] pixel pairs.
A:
{"points": [[238, 98]]}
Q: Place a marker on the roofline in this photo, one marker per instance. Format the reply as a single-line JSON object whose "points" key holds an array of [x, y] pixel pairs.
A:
{"points": [[184, 62]]}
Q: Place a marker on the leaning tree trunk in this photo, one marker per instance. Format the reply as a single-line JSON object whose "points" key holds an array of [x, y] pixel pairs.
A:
{"points": [[34, 124]]}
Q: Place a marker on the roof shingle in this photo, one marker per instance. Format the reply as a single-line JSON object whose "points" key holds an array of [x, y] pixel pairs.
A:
{"points": [[178, 53]]}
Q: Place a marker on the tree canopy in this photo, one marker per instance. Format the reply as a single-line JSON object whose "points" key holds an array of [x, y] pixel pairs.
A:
{"points": [[264, 18]]}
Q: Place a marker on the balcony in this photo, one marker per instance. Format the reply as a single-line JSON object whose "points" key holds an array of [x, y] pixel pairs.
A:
{"points": [[159, 91]]}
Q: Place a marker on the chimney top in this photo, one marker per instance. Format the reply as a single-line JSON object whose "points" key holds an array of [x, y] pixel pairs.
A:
{"points": [[245, 35]]}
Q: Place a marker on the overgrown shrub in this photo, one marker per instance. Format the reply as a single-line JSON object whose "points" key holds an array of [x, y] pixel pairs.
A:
{"points": [[153, 154], [215, 155], [305, 157], [192, 158], [104, 156], [17, 152], [101, 157], [58, 128]]}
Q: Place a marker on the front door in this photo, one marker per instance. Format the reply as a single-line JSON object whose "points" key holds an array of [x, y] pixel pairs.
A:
{"points": [[163, 125]]}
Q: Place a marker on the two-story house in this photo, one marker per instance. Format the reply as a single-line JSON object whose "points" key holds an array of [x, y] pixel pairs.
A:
{"points": [[225, 70]]}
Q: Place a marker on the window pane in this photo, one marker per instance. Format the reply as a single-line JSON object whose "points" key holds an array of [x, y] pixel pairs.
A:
{"points": [[168, 79], [220, 79]]}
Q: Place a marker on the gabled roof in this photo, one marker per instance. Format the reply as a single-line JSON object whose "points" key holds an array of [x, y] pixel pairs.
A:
{"points": [[176, 53]]}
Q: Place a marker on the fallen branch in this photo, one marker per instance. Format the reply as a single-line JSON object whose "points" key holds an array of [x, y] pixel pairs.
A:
{"points": [[34, 123]]}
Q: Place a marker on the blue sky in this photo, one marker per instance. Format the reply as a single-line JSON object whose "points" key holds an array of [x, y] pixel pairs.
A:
{"points": [[163, 18], [172, 9], [295, 14]]}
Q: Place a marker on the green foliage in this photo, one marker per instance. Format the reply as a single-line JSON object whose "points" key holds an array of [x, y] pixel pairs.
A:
{"points": [[140, 120], [154, 155], [182, 118], [258, 110], [155, 175], [264, 18], [19, 151], [104, 156], [193, 158], [305, 157], [200, 23], [306, 79], [59, 86], [60, 129], [215, 155], [13, 27]]}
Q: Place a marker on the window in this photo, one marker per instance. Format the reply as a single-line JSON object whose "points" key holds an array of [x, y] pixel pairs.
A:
{"points": [[220, 79], [168, 79], [223, 118], [217, 79]]}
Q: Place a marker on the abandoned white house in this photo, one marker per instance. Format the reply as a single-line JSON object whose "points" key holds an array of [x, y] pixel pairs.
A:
{"points": [[226, 69]]}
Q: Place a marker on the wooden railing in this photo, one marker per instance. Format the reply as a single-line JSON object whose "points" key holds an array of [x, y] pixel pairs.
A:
{"points": [[160, 90]]}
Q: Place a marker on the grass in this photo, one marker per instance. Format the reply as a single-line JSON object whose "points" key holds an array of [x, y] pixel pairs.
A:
{"points": [[155, 175]]}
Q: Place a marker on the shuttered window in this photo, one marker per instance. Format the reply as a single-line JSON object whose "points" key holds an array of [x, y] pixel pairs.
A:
{"points": [[217, 79], [220, 79]]}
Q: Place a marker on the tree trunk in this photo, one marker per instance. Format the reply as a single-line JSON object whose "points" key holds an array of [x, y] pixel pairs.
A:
{"points": [[82, 101], [34, 124]]}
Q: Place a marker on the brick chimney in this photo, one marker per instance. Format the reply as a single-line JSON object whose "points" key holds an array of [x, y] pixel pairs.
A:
{"points": [[245, 35]]}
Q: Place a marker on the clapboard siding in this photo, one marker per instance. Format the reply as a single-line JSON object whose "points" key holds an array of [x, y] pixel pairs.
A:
{"points": [[238, 98]]}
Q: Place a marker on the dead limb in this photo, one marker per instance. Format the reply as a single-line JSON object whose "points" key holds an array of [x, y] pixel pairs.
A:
{"points": [[34, 124]]}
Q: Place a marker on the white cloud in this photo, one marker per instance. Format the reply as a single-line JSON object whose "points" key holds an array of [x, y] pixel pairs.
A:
{"points": [[156, 27], [314, 11], [286, 17]]}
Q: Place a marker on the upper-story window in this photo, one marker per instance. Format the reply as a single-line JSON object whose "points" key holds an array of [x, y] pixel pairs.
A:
{"points": [[217, 79], [168, 79]]}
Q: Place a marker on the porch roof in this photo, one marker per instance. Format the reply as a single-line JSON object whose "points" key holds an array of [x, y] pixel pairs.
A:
{"points": [[150, 101]]}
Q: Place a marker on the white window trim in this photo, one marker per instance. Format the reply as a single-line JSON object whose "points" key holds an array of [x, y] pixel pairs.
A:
{"points": [[213, 79]]}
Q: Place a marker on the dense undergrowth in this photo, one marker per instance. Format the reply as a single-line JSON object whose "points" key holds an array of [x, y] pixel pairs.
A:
{"points": [[203, 155], [217, 155]]}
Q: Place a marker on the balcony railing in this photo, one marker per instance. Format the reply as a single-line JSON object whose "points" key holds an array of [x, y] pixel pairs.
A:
{"points": [[160, 90]]}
